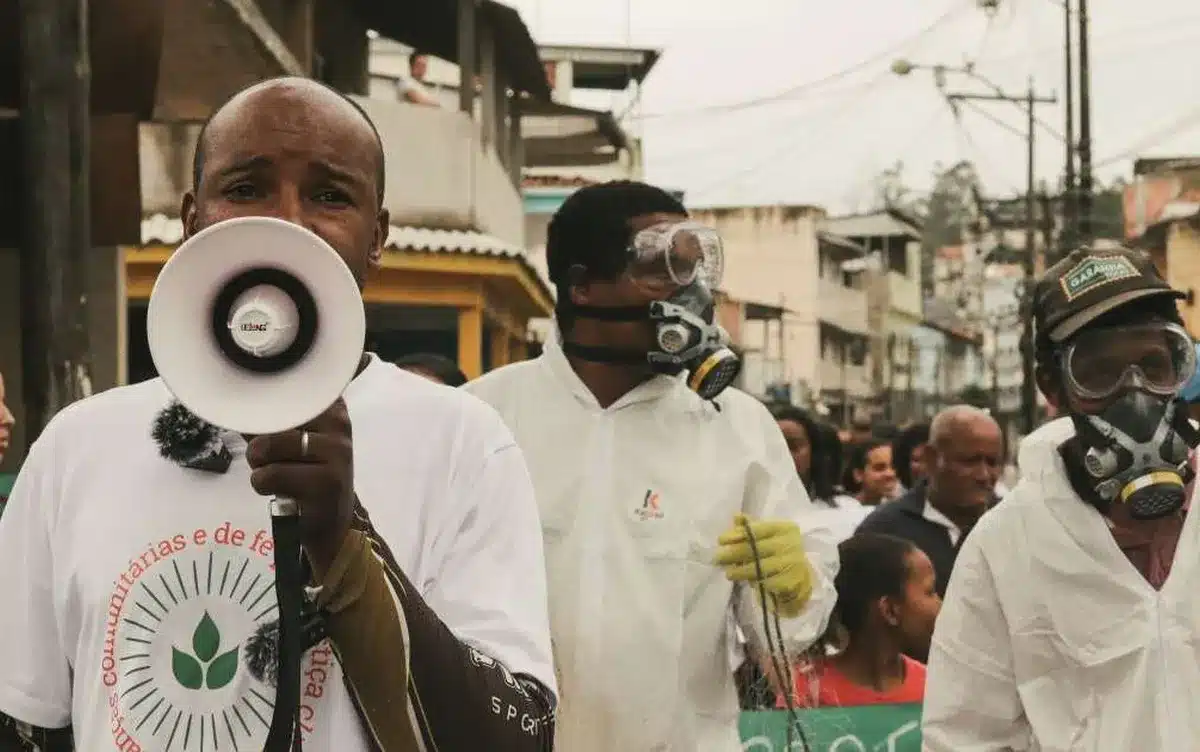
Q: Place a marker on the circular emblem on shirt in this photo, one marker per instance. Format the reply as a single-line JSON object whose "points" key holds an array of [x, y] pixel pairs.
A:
{"points": [[172, 661]]}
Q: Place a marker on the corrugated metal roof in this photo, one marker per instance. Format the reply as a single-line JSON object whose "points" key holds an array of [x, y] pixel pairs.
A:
{"points": [[876, 225], [408, 238], [161, 229]]}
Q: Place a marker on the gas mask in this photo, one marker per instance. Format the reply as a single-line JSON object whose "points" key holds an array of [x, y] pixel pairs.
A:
{"points": [[1134, 451], [683, 260]]}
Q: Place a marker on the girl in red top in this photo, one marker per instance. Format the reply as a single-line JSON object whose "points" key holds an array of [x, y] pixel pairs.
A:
{"points": [[887, 604]]}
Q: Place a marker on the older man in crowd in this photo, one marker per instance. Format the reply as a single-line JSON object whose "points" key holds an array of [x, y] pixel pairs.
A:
{"points": [[963, 460]]}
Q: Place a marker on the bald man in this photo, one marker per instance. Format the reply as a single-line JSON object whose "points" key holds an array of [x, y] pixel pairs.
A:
{"points": [[963, 462], [138, 584]]}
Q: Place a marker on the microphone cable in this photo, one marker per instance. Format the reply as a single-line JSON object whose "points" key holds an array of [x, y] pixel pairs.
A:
{"points": [[776, 649], [284, 735]]}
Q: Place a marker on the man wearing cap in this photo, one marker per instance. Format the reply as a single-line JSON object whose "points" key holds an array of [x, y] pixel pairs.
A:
{"points": [[1070, 622]]}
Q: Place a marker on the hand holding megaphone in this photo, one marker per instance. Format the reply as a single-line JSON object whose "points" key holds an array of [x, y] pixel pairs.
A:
{"points": [[313, 466]]}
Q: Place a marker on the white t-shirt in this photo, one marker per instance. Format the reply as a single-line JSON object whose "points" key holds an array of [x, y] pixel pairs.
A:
{"points": [[131, 584], [841, 518]]}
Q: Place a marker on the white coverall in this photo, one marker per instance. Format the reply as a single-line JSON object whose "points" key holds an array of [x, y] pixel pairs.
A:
{"points": [[1050, 640], [632, 500]]}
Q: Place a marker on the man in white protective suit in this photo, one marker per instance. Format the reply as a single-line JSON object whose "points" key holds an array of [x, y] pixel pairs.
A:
{"points": [[1071, 620], [648, 470]]}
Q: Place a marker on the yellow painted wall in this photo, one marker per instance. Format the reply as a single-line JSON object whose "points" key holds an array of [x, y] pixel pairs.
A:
{"points": [[1183, 270]]}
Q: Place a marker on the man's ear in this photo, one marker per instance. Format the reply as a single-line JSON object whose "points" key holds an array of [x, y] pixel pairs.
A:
{"points": [[930, 458], [577, 284], [1048, 384], [383, 226], [188, 213]]}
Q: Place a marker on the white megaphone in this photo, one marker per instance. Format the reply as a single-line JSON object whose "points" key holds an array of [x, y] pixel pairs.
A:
{"points": [[256, 325]]}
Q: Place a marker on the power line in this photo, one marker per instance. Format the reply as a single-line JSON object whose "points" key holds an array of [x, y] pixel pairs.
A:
{"points": [[1109, 52], [775, 130], [794, 91], [787, 146], [978, 156], [1187, 121]]}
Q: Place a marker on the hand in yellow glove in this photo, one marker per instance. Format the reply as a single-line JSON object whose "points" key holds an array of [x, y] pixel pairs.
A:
{"points": [[786, 573]]}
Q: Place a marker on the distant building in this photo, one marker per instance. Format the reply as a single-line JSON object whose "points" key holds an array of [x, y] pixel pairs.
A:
{"points": [[804, 331], [893, 239], [1162, 215]]}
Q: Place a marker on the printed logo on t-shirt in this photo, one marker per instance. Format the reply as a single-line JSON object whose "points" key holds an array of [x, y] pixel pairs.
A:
{"points": [[178, 619], [651, 508]]}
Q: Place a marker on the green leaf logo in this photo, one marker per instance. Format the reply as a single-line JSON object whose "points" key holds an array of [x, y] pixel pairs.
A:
{"points": [[206, 668], [206, 639], [222, 670], [188, 671]]}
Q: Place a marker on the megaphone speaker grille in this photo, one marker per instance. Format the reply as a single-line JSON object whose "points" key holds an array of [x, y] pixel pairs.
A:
{"points": [[256, 325], [236, 327]]}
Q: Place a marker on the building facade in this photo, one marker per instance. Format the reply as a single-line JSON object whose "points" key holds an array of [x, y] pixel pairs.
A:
{"points": [[892, 242], [805, 335]]}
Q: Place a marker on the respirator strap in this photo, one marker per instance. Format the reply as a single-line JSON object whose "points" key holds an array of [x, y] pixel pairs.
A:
{"points": [[607, 313], [598, 354], [1183, 426]]}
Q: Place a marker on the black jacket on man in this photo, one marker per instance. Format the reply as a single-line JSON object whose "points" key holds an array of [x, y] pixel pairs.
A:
{"points": [[905, 518]]}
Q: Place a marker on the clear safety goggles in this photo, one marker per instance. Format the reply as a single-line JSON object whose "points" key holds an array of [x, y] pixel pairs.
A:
{"points": [[1158, 358], [676, 254]]}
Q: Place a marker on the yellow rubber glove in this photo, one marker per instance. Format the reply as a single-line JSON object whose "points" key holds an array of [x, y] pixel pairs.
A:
{"points": [[786, 573]]}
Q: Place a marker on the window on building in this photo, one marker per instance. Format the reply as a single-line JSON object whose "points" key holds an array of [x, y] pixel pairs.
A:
{"points": [[897, 255]]}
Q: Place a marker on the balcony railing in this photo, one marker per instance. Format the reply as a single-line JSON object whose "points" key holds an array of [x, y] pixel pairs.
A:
{"points": [[843, 307], [852, 378]]}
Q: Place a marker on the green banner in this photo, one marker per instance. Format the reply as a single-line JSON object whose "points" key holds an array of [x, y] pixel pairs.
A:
{"points": [[6, 484], [868, 728]]}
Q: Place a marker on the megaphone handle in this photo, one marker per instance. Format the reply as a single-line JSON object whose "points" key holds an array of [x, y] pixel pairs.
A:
{"points": [[284, 735]]}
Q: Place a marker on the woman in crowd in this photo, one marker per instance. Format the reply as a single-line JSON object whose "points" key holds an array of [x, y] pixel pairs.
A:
{"points": [[909, 455], [886, 608], [817, 455], [870, 475]]}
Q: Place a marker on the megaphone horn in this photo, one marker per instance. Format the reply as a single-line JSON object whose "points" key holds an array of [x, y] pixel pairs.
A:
{"points": [[256, 325]]}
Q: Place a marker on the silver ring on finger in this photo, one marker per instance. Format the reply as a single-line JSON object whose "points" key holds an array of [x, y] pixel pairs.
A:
{"points": [[303, 444]]}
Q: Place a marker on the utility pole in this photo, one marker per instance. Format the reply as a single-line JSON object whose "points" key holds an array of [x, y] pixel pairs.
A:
{"points": [[1029, 102], [55, 122], [1086, 230], [1070, 205]]}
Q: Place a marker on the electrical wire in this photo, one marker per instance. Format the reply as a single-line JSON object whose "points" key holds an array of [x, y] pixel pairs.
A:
{"points": [[803, 88], [1109, 53], [1180, 125], [976, 155], [974, 107], [776, 649], [787, 146], [774, 130]]}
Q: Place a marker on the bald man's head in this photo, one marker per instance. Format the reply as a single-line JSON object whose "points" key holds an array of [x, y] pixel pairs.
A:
{"points": [[966, 448], [294, 149], [302, 88], [948, 423]]}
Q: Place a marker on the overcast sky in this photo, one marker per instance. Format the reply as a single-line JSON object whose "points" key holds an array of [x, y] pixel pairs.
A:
{"points": [[823, 142]]}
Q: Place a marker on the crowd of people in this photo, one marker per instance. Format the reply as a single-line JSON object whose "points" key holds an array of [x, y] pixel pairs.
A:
{"points": [[898, 501], [576, 551]]}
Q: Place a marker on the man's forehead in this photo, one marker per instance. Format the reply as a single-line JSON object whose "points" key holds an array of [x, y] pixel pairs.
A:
{"points": [[290, 104]]}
